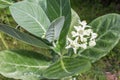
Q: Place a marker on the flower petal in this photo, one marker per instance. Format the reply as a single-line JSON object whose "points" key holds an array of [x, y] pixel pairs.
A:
{"points": [[74, 34], [88, 32], [93, 36], [84, 45], [92, 43]]}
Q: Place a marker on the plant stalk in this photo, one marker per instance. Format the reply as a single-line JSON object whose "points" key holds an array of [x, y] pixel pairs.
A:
{"points": [[7, 2], [3, 41]]}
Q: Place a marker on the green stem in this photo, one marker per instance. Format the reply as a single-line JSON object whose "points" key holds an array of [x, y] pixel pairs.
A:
{"points": [[63, 66], [7, 2], [2, 39]]}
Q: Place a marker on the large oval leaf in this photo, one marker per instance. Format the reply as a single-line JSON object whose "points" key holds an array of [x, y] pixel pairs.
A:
{"points": [[21, 64], [68, 67], [108, 29], [23, 37], [31, 17]]}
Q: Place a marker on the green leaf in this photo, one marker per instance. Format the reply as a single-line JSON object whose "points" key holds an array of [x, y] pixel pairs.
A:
{"points": [[108, 28], [22, 64], [41, 3], [34, 1], [31, 17], [3, 5], [74, 21], [22, 36], [55, 28], [55, 9], [68, 67]]}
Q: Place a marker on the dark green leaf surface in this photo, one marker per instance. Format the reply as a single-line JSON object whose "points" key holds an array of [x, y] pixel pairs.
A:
{"points": [[68, 67], [22, 64], [31, 17], [108, 29], [55, 28], [22, 36]]}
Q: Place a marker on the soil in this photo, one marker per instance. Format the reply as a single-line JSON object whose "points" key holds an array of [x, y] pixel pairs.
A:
{"points": [[112, 76]]}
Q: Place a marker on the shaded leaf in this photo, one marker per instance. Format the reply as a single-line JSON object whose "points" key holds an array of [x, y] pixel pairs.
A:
{"points": [[22, 64], [22, 36]]}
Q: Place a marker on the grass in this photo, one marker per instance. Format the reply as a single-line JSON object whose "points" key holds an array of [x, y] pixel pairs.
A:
{"points": [[91, 9]]}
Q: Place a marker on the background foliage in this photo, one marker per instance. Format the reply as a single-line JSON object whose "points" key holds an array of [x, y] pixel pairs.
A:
{"points": [[87, 10]]}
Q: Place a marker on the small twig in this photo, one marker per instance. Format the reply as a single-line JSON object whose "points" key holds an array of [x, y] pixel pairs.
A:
{"points": [[17, 27], [7, 2], [2, 39]]}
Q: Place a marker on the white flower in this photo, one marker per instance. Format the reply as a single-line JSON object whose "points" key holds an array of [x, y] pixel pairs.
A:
{"points": [[92, 43], [93, 36], [83, 39], [81, 31], [87, 32], [84, 45], [83, 36], [83, 23], [79, 28], [74, 34], [73, 44]]}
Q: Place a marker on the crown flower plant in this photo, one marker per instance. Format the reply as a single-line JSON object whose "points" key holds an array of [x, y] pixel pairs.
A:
{"points": [[55, 28]]}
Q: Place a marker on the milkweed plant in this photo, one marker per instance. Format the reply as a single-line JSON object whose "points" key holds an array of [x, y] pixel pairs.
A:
{"points": [[54, 27]]}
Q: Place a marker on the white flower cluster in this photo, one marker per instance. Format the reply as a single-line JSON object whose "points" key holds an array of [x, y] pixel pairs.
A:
{"points": [[82, 37]]}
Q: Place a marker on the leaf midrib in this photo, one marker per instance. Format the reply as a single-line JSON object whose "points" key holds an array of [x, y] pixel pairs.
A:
{"points": [[32, 18], [28, 66]]}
